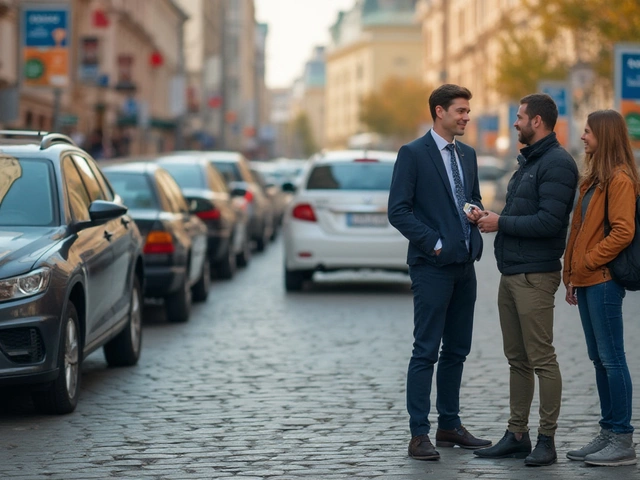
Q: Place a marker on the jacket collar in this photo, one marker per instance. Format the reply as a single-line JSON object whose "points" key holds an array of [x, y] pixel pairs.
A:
{"points": [[535, 151]]}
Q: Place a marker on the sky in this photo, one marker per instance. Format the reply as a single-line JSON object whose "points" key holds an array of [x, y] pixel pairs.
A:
{"points": [[295, 27]]}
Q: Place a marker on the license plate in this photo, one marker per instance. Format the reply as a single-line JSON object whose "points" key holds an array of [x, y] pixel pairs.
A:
{"points": [[366, 220]]}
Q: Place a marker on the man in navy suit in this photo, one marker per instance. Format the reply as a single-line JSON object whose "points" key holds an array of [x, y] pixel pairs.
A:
{"points": [[434, 176]]}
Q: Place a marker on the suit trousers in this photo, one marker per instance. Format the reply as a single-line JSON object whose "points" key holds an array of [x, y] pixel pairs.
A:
{"points": [[444, 299], [525, 305]]}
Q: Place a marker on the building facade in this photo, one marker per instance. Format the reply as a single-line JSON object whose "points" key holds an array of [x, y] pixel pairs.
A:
{"points": [[124, 94], [373, 41]]}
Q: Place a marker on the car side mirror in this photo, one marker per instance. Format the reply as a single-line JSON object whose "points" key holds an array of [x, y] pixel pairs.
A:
{"points": [[199, 204], [289, 187], [100, 212], [238, 192]]}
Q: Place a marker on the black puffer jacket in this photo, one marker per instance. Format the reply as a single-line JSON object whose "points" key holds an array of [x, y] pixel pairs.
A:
{"points": [[532, 228]]}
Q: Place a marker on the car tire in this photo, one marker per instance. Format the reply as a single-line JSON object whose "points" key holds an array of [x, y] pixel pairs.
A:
{"points": [[260, 244], [124, 349], [293, 280], [200, 291], [226, 269], [178, 304], [62, 395], [242, 258]]}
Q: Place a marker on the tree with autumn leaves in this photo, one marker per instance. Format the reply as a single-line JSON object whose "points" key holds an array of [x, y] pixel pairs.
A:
{"points": [[397, 109], [590, 28]]}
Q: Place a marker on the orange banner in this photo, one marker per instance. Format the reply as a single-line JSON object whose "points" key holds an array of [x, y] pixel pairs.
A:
{"points": [[46, 67]]}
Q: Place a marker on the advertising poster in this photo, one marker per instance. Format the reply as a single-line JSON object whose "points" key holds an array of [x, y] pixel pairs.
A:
{"points": [[627, 88], [45, 45], [560, 92]]}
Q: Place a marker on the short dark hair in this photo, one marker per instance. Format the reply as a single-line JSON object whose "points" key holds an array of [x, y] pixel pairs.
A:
{"points": [[444, 96], [543, 105]]}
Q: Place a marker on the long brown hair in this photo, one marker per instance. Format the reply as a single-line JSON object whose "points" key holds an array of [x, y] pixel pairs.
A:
{"points": [[614, 149]]}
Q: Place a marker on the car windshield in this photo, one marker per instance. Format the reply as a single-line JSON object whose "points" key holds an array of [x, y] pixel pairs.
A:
{"points": [[26, 192], [351, 176], [229, 170], [134, 189], [186, 175]]}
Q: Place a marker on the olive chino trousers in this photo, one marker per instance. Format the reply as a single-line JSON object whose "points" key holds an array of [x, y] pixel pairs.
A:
{"points": [[525, 306]]}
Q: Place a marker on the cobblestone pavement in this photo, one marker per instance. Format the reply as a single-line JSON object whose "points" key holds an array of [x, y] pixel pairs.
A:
{"points": [[264, 385]]}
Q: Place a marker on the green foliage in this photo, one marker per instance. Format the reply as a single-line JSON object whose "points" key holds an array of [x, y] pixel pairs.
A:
{"points": [[593, 25], [302, 132], [397, 109], [515, 76]]}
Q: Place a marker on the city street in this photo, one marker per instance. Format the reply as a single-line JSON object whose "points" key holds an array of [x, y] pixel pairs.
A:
{"points": [[263, 384]]}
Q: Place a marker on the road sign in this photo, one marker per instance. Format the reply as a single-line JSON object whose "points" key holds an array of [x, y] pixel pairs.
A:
{"points": [[45, 45], [627, 87]]}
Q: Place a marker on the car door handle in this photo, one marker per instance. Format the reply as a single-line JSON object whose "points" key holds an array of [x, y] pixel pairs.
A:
{"points": [[108, 235], [125, 222]]}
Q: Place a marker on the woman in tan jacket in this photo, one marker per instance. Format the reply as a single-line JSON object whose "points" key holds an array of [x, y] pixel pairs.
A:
{"points": [[610, 171]]}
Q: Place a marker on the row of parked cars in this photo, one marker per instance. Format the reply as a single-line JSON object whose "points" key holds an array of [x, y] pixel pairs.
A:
{"points": [[82, 246]]}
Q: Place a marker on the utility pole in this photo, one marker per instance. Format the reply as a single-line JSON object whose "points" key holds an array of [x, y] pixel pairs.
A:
{"points": [[222, 141]]}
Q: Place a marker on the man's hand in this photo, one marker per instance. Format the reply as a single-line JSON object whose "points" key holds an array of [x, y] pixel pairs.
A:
{"points": [[488, 222], [571, 297], [475, 214]]}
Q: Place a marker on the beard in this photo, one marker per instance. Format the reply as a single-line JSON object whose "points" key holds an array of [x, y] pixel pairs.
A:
{"points": [[526, 134]]}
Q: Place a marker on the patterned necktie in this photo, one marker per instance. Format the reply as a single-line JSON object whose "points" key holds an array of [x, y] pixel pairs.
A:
{"points": [[460, 198]]}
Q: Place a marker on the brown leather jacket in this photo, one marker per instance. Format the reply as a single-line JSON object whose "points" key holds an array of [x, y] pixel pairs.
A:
{"points": [[588, 250]]}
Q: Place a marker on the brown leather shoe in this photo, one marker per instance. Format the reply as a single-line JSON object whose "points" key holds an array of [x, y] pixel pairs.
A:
{"points": [[421, 448], [459, 436]]}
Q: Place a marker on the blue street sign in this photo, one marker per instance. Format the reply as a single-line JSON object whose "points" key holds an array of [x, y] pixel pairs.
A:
{"points": [[630, 76], [46, 28]]}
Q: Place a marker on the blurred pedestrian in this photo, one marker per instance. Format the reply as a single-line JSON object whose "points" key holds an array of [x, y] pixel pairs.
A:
{"points": [[432, 179], [530, 240], [610, 172]]}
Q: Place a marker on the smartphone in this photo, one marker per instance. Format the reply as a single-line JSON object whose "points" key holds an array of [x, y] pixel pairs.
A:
{"points": [[468, 207]]}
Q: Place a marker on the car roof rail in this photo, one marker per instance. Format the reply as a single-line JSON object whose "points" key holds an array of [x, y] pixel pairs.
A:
{"points": [[54, 138], [47, 139]]}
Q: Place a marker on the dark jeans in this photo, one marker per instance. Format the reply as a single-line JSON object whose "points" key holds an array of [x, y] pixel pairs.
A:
{"points": [[601, 315], [443, 302]]}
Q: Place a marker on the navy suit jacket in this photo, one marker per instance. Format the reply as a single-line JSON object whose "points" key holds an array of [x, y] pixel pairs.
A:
{"points": [[423, 208]]}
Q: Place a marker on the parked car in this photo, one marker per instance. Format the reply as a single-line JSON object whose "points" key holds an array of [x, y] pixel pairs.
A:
{"points": [[271, 180], [227, 224], [234, 167], [175, 249], [71, 269], [338, 218], [490, 171]]}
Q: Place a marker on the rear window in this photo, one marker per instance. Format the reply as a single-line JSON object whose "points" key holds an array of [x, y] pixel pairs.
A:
{"points": [[26, 192], [134, 189], [186, 175], [229, 170], [351, 176]]}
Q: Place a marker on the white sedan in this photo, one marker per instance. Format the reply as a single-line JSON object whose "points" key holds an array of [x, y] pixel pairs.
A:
{"points": [[337, 219]]}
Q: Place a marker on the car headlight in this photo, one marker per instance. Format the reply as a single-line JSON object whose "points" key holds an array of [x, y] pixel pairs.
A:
{"points": [[25, 285]]}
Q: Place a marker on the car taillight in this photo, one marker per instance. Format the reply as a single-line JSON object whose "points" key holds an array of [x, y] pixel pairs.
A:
{"points": [[248, 196], [213, 214], [159, 242], [366, 160], [304, 211]]}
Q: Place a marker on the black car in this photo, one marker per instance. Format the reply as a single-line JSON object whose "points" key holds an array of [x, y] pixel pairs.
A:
{"points": [[235, 169], [202, 185], [175, 249], [71, 270]]}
